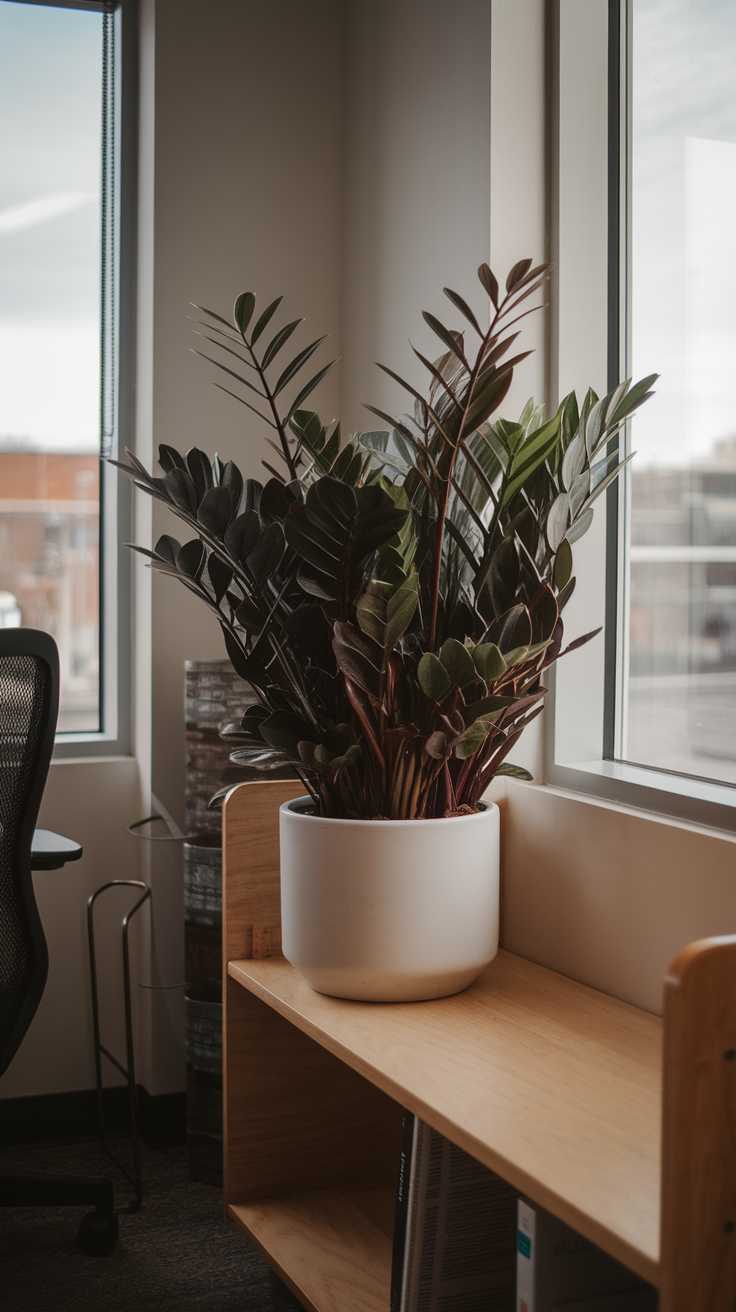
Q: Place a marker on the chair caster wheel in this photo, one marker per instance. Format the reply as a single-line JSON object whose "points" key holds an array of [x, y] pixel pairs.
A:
{"points": [[97, 1233]]}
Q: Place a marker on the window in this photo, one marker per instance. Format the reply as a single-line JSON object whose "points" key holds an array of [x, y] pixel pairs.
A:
{"points": [[643, 207], [60, 133], [678, 703]]}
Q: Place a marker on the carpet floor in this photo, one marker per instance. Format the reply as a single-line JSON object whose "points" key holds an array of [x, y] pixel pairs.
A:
{"points": [[177, 1254]]}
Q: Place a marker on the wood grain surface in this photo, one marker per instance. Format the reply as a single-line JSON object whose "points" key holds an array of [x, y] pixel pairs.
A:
{"points": [[324, 1247], [251, 888], [296, 1117], [553, 1085], [699, 1131]]}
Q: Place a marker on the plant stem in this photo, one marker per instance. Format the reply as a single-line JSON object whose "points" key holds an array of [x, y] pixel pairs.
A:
{"points": [[442, 516], [283, 436]]}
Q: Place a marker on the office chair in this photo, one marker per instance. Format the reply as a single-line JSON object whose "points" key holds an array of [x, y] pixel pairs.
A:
{"points": [[29, 704]]}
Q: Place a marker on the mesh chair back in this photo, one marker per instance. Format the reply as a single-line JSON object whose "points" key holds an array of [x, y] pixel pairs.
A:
{"points": [[29, 695]]}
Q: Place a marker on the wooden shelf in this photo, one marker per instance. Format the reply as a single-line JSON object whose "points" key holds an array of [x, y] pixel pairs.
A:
{"points": [[332, 1247], [551, 1084], [623, 1127]]}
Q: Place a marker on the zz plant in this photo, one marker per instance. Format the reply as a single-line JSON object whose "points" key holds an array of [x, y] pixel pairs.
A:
{"points": [[393, 599]]}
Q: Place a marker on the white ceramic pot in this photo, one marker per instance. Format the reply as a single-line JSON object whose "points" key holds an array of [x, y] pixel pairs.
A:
{"points": [[389, 910]]}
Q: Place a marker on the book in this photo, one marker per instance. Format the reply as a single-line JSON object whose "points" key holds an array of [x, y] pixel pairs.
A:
{"points": [[455, 1229], [557, 1269]]}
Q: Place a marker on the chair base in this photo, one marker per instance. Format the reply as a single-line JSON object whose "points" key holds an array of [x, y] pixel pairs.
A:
{"points": [[98, 1230]]}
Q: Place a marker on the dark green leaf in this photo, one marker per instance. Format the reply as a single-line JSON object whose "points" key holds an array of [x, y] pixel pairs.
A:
{"points": [[191, 558], [563, 563], [266, 556], [220, 576], [514, 771], [180, 488], [447, 336], [265, 319], [464, 308], [277, 342], [458, 662], [307, 391], [275, 501], [516, 274], [232, 479], [242, 311], [215, 511], [490, 283], [292, 369], [514, 629], [284, 729], [434, 679], [487, 706], [488, 661], [201, 471], [437, 746], [473, 738], [242, 535], [238, 658], [488, 397], [169, 458], [168, 548], [533, 451], [565, 594], [358, 658]]}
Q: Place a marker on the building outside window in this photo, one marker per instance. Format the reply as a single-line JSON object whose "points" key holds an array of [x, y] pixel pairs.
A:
{"points": [[680, 655], [57, 338]]}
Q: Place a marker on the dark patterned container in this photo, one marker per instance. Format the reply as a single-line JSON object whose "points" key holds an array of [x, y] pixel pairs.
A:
{"points": [[203, 921], [213, 693], [204, 1090]]}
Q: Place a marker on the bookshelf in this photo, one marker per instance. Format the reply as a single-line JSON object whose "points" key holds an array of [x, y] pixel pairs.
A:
{"points": [[557, 1087]]}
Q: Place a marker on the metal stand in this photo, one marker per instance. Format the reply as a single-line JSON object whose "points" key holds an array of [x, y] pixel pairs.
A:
{"points": [[129, 1073]]}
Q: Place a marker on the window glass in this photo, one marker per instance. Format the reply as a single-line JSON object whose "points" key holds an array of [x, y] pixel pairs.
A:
{"points": [[680, 652], [50, 232]]}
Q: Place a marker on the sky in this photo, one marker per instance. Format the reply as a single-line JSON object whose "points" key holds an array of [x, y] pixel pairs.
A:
{"points": [[50, 123], [684, 226]]}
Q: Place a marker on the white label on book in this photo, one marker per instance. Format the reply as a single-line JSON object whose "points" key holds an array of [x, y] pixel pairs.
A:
{"points": [[525, 1256]]}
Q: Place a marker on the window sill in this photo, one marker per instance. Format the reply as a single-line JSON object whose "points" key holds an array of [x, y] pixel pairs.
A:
{"points": [[693, 801]]}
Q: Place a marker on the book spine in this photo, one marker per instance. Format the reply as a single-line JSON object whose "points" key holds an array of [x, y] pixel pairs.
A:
{"points": [[525, 1257], [401, 1218]]}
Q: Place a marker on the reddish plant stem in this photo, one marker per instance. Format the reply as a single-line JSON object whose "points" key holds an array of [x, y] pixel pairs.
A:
{"points": [[440, 531]]}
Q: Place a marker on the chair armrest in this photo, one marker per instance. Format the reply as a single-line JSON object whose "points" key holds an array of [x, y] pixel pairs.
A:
{"points": [[52, 851]]}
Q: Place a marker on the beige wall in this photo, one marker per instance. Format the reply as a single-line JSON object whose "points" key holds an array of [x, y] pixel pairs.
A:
{"points": [[417, 185], [248, 196]]}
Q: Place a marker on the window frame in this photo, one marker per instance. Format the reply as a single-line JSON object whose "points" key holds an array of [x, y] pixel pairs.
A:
{"points": [[114, 738], [589, 127]]}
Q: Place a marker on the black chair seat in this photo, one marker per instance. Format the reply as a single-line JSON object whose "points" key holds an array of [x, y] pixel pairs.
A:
{"points": [[52, 851]]}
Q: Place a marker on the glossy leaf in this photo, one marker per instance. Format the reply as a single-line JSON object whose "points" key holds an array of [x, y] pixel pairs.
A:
{"points": [[458, 662], [434, 679], [488, 661], [243, 311], [265, 319]]}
